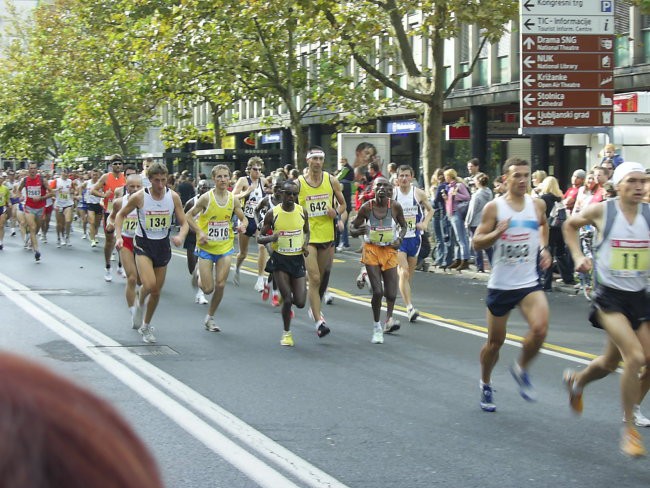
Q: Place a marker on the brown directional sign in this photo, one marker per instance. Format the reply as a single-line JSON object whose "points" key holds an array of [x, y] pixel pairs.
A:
{"points": [[567, 78]]}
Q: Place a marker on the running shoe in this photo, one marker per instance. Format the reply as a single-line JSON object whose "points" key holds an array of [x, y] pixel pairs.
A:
{"points": [[58, 243], [632, 443], [377, 336], [266, 292], [84, 236], [147, 334], [275, 300], [640, 420], [138, 318], [108, 277], [526, 389], [412, 313], [235, 277], [37, 256], [259, 285], [487, 398], [200, 298], [329, 299], [587, 292], [210, 325], [322, 330], [287, 339], [13, 232], [93, 243], [121, 272], [575, 396], [391, 325], [361, 279], [69, 244]]}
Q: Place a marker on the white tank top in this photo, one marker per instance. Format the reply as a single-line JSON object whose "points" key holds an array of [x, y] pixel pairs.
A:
{"points": [[130, 222], [63, 193], [514, 264], [411, 208], [90, 198], [622, 260], [155, 216], [253, 199]]}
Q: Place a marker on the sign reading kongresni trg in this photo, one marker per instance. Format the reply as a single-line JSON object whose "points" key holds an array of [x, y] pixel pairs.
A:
{"points": [[567, 64]]}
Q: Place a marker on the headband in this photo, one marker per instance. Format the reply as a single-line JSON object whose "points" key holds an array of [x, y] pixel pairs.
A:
{"points": [[624, 169], [315, 153]]}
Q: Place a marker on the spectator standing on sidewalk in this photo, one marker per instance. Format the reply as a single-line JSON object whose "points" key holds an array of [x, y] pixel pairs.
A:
{"points": [[480, 198], [345, 175], [571, 195], [456, 203]]}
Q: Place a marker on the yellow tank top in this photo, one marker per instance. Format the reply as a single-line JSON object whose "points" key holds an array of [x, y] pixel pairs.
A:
{"points": [[290, 226], [317, 201], [4, 195], [215, 223]]}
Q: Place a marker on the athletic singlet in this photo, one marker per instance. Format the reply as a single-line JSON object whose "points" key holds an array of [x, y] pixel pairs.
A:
{"points": [[4, 196], [514, 264], [34, 188], [412, 210], [215, 223], [317, 201], [253, 199], [266, 210], [622, 260], [155, 216], [90, 198], [63, 193], [382, 231], [112, 183], [130, 222], [290, 227]]}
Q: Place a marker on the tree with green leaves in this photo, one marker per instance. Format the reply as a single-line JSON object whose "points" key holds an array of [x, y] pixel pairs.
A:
{"points": [[380, 36]]}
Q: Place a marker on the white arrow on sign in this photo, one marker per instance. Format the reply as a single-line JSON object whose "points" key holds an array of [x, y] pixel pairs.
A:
{"points": [[529, 118], [529, 61], [529, 42], [529, 99], [529, 80]]}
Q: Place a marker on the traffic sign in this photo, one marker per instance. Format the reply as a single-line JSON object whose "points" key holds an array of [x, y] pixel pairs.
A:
{"points": [[567, 61]]}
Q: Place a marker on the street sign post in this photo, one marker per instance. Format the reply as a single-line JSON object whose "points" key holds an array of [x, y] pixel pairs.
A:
{"points": [[567, 63]]}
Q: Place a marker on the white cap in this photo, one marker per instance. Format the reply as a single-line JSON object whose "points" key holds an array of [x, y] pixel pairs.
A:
{"points": [[624, 169]]}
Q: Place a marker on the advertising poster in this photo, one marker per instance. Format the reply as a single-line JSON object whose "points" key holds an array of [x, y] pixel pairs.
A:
{"points": [[360, 149]]}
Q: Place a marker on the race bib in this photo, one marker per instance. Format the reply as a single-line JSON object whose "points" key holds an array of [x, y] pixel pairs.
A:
{"points": [[317, 205], [629, 258], [381, 236], [218, 230], [156, 220], [129, 224], [515, 252], [33, 191], [249, 208], [290, 241], [64, 196]]}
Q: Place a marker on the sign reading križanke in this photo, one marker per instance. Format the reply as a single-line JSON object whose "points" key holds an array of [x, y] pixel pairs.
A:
{"points": [[567, 62]]}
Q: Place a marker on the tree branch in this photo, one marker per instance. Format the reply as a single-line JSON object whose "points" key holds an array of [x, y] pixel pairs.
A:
{"points": [[467, 73]]}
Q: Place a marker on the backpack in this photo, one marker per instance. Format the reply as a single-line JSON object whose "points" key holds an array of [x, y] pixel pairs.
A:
{"points": [[558, 215]]}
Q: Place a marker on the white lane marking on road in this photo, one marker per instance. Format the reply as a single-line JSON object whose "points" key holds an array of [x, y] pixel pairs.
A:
{"points": [[464, 330], [85, 338]]}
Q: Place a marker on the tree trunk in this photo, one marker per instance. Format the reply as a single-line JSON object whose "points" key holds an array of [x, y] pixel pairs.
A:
{"points": [[299, 141], [431, 138], [215, 114]]}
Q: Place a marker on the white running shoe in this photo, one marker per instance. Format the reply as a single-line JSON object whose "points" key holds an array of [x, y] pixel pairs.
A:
{"points": [[377, 336], [113, 256], [121, 272], [147, 334], [640, 420], [259, 285], [58, 243], [84, 236], [108, 277], [200, 298], [93, 243], [412, 313], [67, 242], [210, 325], [329, 299]]}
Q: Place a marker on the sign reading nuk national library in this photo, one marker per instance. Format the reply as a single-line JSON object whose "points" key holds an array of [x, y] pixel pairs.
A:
{"points": [[567, 64]]}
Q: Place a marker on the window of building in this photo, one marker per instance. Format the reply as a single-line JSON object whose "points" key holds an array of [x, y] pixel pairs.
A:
{"points": [[645, 34], [622, 28]]}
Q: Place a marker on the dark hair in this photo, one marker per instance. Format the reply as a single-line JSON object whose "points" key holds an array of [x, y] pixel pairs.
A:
{"points": [[374, 166], [130, 167], [405, 167], [54, 433], [365, 145], [514, 161], [474, 162]]}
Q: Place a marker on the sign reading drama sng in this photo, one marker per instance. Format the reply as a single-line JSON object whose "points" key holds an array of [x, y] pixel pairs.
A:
{"points": [[404, 126], [272, 138]]}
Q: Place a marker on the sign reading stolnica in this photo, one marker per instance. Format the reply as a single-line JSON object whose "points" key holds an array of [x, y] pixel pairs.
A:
{"points": [[567, 64]]}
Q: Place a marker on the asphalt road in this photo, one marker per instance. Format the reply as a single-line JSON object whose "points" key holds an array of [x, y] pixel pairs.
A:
{"points": [[236, 409]]}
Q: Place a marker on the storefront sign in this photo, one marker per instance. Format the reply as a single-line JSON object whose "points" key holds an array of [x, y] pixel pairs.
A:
{"points": [[272, 138], [404, 126]]}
